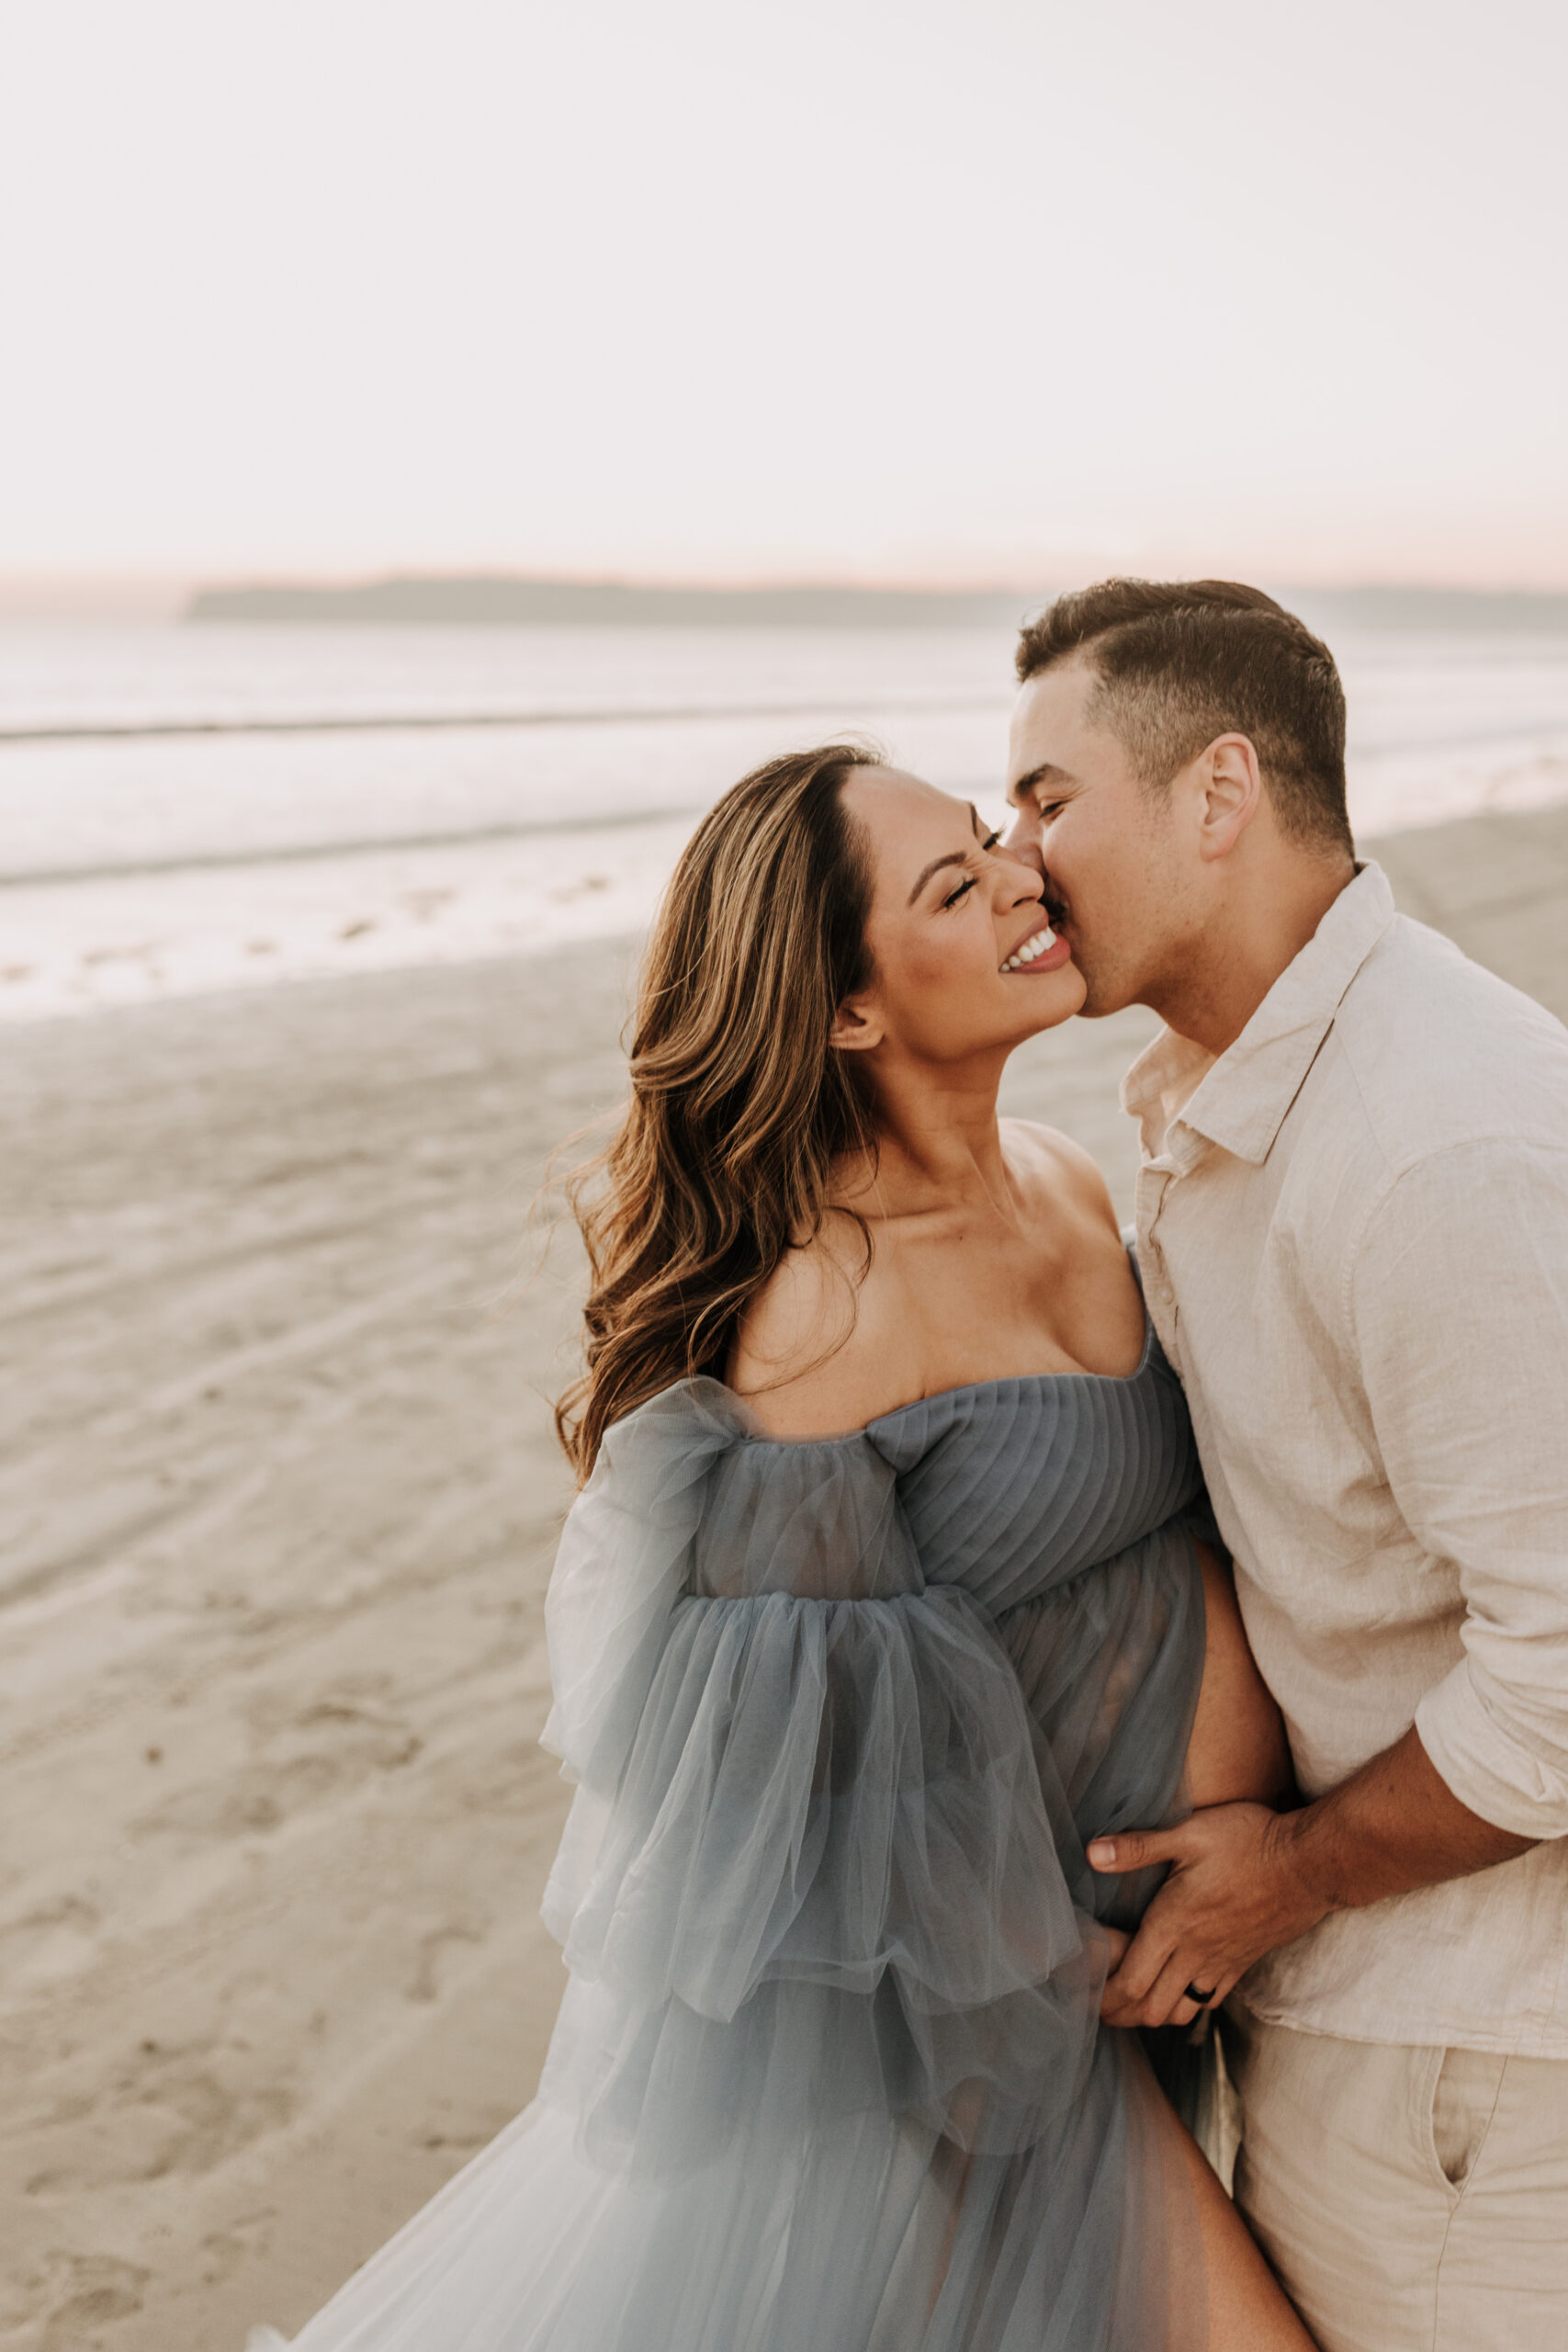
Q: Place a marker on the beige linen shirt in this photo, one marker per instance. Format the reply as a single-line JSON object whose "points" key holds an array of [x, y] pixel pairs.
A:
{"points": [[1353, 1231]]}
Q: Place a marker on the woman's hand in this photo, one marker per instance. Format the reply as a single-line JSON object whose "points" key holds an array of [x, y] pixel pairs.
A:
{"points": [[1118, 1940]]}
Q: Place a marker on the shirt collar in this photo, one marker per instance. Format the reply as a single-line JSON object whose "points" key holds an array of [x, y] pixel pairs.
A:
{"points": [[1186, 1098]]}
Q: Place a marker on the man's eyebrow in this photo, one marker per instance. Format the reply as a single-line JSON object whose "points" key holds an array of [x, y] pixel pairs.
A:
{"points": [[1046, 770], [954, 857]]}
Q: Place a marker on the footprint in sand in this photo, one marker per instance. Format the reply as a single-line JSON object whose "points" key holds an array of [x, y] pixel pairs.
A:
{"points": [[94, 2289], [50, 1943], [168, 2111], [426, 1982]]}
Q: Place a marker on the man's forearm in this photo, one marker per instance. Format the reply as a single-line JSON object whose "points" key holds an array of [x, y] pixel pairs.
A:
{"points": [[1393, 1826]]}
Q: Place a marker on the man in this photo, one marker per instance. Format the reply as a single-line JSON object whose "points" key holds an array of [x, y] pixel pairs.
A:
{"points": [[1352, 1219]]}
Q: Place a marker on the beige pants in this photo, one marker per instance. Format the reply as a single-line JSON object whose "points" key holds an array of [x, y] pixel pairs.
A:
{"points": [[1410, 2200]]}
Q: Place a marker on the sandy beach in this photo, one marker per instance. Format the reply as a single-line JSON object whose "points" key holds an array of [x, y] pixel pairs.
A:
{"points": [[278, 1510]]}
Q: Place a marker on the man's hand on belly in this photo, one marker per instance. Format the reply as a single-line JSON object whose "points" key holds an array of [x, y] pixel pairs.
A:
{"points": [[1245, 1880], [1231, 1896]]}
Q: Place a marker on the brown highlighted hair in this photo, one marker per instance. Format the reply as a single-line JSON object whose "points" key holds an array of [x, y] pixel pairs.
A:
{"points": [[1181, 662], [740, 1109]]}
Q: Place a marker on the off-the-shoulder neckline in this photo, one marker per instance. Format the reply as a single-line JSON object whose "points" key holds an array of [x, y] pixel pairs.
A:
{"points": [[965, 1388]]}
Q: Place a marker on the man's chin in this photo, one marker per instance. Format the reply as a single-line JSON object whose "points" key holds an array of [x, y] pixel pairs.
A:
{"points": [[1102, 995]]}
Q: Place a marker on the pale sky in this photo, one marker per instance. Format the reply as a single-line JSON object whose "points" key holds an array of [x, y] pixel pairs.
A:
{"points": [[943, 289]]}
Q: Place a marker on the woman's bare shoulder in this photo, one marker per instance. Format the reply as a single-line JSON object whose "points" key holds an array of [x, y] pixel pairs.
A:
{"points": [[1065, 1172], [810, 1357]]}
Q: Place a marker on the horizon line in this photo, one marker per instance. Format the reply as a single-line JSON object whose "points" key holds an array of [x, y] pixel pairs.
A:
{"points": [[59, 589]]}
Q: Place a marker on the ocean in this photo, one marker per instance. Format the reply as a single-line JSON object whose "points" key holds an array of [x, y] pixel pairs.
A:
{"points": [[185, 808]]}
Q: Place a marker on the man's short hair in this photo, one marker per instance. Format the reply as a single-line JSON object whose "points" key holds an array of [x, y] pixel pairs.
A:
{"points": [[1181, 662]]}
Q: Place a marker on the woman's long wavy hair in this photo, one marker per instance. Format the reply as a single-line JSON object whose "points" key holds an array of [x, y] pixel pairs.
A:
{"points": [[740, 1109]]}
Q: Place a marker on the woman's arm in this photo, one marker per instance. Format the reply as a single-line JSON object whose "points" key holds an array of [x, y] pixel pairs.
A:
{"points": [[1237, 1752], [1238, 1747]]}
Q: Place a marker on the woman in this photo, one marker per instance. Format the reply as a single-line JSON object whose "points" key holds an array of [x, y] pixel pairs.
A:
{"points": [[879, 1602]]}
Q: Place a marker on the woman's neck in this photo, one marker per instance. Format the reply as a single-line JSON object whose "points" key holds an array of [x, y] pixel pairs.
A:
{"points": [[939, 1144]]}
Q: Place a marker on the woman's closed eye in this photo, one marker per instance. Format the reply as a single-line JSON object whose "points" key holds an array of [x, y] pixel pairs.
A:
{"points": [[991, 842]]}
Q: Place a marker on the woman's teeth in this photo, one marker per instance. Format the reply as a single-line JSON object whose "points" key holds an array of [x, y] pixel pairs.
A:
{"points": [[1030, 949]]}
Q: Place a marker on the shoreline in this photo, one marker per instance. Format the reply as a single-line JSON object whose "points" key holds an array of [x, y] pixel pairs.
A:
{"points": [[204, 926], [279, 1518]]}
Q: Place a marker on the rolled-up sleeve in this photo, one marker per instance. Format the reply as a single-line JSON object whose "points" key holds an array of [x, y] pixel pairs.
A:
{"points": [[1459, 1298]]}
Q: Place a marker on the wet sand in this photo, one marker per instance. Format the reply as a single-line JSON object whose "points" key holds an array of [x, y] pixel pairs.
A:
{"points": [[277, 1513]]}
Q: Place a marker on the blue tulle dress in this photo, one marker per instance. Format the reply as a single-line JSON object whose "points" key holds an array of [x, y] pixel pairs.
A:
{"points": [[829, 2075]]}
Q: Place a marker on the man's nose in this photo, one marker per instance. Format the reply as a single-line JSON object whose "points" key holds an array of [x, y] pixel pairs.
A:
{"points": [[1023, 840]]}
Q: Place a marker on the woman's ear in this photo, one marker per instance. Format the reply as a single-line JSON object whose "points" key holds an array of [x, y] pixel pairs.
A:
{"points": [[858, 1025]]}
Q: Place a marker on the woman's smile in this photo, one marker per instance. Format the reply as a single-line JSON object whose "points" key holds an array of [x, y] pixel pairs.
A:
{"points": [[1042, 951]]}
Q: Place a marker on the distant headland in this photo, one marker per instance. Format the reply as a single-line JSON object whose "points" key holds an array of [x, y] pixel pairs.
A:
{"points": [[501, 600]]}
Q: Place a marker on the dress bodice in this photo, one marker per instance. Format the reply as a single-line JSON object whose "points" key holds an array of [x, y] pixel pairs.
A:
{"points": [[1006, 1488], [1015, 1485]]}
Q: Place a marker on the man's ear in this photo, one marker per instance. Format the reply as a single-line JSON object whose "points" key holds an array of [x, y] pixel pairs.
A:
{"points": [[858, 1025], [1230, 790]]}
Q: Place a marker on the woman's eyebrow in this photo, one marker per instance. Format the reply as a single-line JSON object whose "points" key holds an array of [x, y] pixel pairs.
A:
{"points": [[954, 857]]}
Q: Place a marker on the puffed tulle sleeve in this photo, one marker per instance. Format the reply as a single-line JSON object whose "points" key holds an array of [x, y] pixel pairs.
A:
{"points": [[625, 1553], [810, 1824]]}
